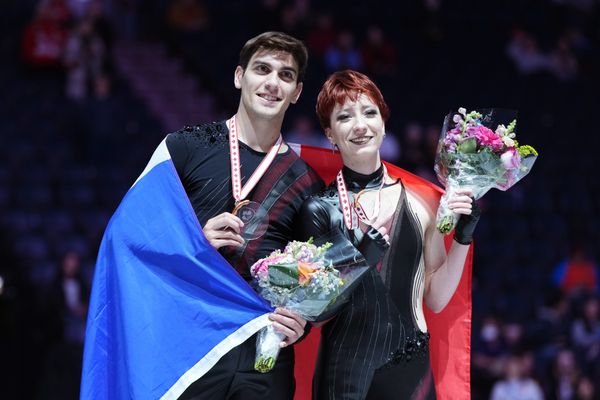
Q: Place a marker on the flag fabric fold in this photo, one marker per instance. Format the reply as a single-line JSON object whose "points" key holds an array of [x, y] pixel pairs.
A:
{"points": [[165, 305]]}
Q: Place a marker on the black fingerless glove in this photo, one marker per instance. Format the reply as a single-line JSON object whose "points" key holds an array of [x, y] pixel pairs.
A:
{"points": [[373, 246], [463, 233]]}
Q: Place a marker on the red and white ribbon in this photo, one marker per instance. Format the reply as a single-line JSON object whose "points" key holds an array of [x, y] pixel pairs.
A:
{"points": [[240, 192], [353, 211]]}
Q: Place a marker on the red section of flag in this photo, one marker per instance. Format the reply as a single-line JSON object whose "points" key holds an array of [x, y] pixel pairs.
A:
{"points": [[450, 330]]}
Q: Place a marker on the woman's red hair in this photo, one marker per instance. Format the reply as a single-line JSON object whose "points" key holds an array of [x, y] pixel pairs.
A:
{"points": [[344, 85]]}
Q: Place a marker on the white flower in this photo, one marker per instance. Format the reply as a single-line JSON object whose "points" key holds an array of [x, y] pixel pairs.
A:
{"points": [[501, 130], [508, 141], [457, 119], [462, 111]]}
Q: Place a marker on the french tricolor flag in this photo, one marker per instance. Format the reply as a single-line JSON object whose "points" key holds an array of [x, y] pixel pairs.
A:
{"points": [[165, 305]]}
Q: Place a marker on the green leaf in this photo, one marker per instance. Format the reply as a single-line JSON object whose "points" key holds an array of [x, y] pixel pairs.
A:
{"points": [[468, 146], [283, 275]]}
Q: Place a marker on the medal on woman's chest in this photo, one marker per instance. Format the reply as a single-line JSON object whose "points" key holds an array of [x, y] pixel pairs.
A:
{"points": [[353, 211]]}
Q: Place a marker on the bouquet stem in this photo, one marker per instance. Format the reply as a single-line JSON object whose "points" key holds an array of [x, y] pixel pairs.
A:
{"points": [[446, 219], [267, 348]]}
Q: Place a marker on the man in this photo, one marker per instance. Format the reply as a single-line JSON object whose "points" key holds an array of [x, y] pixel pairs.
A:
{"points": [[226, 165]]}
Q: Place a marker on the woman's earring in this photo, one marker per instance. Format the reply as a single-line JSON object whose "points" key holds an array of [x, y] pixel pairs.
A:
{"points": [[333, 147]]}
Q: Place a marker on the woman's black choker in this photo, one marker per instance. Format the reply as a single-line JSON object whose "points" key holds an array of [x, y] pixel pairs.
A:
{"points": [[356, 181]]}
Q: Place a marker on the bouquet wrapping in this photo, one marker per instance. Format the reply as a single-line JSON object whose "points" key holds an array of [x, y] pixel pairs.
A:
{"points": [[478, 152], [312, 280]]}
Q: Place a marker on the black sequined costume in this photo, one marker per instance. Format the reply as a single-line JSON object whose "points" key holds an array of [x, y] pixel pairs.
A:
{"points": [[373, 348]]}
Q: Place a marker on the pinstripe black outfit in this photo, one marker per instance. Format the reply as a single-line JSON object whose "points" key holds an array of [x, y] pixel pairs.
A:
{"points": [[373, 349]]}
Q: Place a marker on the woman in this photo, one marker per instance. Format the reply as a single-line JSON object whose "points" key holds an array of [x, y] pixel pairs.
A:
{"points": [[377, 346]]}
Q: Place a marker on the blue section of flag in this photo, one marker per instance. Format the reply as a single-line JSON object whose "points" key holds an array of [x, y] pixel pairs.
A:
{"points": [[162, 297]]}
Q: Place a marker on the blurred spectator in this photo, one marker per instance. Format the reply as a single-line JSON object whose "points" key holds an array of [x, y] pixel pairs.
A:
{"points": [[85, 58], [102, 26], [411, 147], [322, 35], [563, 63], [513, 336], [578, 272], [69, 299], [565, 375], [488, 357], [343, 54], [378, 53], [524, 52], [585, 333], [516, 385], [293, 21], [489, 347], [45, 37], [67, 306], [188, 16], [555, 317], [303, 132], [586, 389]]}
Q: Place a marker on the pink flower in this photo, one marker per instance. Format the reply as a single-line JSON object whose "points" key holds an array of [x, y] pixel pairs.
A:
{"points": [[488, 138], [511, 159], [262, 266], [471, 131]]}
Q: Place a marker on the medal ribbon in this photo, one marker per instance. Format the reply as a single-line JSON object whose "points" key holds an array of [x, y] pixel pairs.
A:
{"points": [[351, 211], [240, 192]]}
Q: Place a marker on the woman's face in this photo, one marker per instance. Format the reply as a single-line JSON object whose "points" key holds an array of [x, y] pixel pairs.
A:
{"points": [[357, 129]]}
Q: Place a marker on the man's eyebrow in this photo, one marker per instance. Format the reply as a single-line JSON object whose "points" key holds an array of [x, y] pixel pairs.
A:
{"points": [[261, 62], [270, 65], [290, 69]]}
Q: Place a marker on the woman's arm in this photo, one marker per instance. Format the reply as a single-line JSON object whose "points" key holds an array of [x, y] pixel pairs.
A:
{"points": [[444, 272]]}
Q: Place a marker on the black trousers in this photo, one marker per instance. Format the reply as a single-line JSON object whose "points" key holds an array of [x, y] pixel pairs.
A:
{"points": [[233, 377]]}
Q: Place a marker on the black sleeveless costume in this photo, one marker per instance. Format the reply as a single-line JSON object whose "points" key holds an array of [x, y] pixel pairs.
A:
{"points": [[373, 348]]}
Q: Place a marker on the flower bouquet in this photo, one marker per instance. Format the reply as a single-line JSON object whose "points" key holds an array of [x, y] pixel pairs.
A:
{"points": [[313, 281], [476, 152]]}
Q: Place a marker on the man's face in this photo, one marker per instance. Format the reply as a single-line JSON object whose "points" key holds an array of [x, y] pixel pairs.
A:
{"points": [[268, 84]]}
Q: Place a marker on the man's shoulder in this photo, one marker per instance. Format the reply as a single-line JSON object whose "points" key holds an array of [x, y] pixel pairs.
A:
{"points": [[201, 135]]}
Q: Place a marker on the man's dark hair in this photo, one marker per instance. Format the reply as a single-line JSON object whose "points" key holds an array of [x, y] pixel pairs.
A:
{"points": [[276, 41]]}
